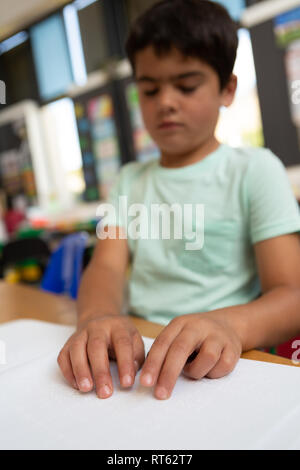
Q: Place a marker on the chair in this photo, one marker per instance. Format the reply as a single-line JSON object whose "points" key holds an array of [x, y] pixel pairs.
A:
{"points": [[64, 270], [24, 250]]}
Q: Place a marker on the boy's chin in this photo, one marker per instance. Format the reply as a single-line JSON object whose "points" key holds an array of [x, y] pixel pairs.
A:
{"points": [[176, 150], [182, 148]]}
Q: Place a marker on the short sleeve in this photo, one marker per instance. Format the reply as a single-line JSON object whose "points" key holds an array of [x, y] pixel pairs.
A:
{"points": [[111, 211], [273, 209]]}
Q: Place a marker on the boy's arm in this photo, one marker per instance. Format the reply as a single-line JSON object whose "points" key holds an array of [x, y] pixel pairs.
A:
{"points": [[275, 316], [102, 285]]}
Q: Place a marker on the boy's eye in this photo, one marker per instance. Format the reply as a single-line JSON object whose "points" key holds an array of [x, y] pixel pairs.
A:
{"points": [[187, 89], [183, 89], [151, 92]]}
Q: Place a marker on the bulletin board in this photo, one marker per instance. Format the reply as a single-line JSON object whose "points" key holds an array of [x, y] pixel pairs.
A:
{"points": [[280, 131], [99, 141], [287, 34], [16, 170]]}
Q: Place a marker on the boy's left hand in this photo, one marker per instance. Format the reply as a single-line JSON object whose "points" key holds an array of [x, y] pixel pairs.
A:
{"points": [[215, 343]]}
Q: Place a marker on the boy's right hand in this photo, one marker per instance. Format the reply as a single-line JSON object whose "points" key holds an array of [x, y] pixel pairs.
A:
{"points": [[84, 359]]}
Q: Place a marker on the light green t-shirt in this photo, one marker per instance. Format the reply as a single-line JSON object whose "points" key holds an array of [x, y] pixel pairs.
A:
{"points": [[247, 198]]}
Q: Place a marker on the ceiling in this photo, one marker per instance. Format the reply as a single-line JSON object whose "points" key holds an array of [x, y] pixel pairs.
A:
{"points": [[16, 15]]}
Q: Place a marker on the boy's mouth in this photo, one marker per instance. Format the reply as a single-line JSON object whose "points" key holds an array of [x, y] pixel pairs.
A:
{"points": [[169, 125]]}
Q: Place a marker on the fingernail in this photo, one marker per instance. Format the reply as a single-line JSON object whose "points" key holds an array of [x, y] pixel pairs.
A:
{"points": [[146, 380], [161, 393], [105, 391], [126, 380], [84, 385]]}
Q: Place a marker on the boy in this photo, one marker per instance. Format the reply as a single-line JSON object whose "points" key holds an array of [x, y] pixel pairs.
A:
{"points": [[241, 290]]}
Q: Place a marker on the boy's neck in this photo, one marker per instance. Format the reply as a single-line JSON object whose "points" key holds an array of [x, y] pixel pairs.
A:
{"points": [[178, 161]]}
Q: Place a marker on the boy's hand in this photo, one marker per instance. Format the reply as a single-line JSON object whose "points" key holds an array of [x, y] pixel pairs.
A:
{"points": [[214, 345], [84, 360]]}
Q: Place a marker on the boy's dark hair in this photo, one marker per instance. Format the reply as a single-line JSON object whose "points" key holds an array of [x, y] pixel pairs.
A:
{"points": [[197, 28]]}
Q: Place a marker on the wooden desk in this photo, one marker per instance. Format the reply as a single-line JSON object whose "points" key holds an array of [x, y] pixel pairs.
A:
{"points": [[20, 302]]}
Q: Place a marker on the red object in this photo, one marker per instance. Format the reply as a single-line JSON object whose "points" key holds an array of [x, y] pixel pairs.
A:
{"points": [[290, 349], [12, 220], [286, 349]]}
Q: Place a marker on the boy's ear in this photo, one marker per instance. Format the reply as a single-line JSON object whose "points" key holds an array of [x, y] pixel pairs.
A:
{"points": [[228, 93]]}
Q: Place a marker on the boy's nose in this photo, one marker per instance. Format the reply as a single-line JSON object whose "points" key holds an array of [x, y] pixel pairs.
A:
{"points": [[166, 101]]}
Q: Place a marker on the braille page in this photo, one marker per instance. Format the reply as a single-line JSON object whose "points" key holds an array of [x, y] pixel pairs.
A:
{"points": [[257, 406]]}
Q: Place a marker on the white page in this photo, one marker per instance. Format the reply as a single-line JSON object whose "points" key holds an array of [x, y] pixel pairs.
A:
{"points": [[257, 406]]}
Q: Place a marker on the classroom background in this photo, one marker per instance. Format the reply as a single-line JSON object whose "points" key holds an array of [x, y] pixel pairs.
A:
{"points": [[70, 118]]}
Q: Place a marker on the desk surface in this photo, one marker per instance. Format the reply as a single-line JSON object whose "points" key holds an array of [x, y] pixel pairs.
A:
{"points": [[20, 302]]}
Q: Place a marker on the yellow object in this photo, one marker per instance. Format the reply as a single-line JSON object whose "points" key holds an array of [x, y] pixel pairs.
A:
{"points": [[12, 276], [31, 273]]}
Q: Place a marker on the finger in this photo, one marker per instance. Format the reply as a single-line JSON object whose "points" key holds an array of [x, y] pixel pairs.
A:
{"points": [[207, 357], [225, 365], [122, 343], [138, 351], [176, 358], [97, 349], [80, 365], [65, 365], [156, 356]]}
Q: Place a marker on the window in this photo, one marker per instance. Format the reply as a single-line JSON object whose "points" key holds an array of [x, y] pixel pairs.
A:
{"points": [[17, 69], [51, 54], [240, 124]]}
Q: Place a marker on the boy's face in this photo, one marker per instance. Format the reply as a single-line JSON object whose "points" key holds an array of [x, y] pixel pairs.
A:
{"points": [[180, 99]]}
